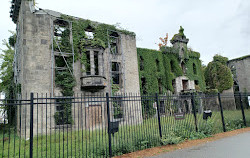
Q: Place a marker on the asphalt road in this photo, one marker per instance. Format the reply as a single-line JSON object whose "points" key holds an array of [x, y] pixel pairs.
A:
{"points": [[231, 147]]}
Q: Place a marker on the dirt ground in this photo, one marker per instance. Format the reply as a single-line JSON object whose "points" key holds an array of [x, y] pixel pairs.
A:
{"points": [[185, 144]]}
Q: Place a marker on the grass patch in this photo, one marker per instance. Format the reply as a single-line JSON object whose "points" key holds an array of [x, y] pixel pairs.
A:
{"points": [[94, 143]]}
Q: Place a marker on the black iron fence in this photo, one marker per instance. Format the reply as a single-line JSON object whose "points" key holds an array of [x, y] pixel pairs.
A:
{"points": [[42, 125]]}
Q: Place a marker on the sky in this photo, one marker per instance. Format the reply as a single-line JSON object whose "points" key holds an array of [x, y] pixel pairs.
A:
{"points": [[212, 26]]}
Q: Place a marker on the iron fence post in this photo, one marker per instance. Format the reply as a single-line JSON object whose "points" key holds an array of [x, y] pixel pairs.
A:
{"points": [[158, 113], [221, 112], [31, 124], [242, 109], [109, 132], [194, 111]]}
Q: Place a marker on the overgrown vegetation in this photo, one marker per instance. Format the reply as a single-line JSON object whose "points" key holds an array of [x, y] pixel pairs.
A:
{"points": [[65, 78], [94, 143], [218, 75], [159, 69], [7, 85]]}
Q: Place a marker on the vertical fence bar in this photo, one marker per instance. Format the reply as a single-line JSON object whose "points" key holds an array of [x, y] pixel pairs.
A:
{"points": [[221, 112], [194, 111], [31, 124], [109, 130], [158, 113], [242, 109]]}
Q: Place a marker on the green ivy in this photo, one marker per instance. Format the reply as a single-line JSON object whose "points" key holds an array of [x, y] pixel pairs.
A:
{"points": [[163, 73], [166, 72], [190, 72], [64, 79]]}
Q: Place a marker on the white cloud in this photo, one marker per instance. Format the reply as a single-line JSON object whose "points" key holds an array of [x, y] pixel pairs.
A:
{"points": [[212, 26]]}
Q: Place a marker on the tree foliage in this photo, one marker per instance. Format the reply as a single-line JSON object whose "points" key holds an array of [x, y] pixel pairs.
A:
{"points": [[6, 68], [164, 41], [218, 75], [7, 85]]}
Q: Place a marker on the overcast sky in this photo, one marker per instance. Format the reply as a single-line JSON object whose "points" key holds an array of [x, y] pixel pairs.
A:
{"points": [[212, 26]]}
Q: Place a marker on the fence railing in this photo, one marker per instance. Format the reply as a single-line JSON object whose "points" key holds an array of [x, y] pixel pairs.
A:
{"points": [[42, 125]]}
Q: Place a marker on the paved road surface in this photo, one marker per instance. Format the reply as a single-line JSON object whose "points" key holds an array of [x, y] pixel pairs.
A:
{"points": [[231, 147]]}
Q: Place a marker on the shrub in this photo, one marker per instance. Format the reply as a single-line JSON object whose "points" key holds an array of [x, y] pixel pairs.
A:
{"points": [[207, 128], [171, 139], [234, 124]]}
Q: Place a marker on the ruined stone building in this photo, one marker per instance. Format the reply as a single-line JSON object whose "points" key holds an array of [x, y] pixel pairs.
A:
{"points": [[240, 68], [47, 40], [172, 70], [61, 55]]}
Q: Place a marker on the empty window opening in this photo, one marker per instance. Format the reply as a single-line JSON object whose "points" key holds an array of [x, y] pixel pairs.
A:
{"points": [[63, 114], [117, 107], [182, 51], [157, 65], [115, 72], [183, 67], [59, 115], [194, 68], [196, 82], [186, 106], [236, 87], [113, 34], [160, 86], [96, 63], [143, 84], [89, 34], [172, 65], [162, 107], [141, 63], [185, 84], [61, 29], [173, 84], [88, 65], [113, 39], [113, 49]]}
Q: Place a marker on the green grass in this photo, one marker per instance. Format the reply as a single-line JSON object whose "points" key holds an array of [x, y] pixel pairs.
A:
{"points": [[85, 143]]}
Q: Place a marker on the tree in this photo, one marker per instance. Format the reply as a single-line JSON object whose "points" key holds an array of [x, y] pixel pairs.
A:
{"points": [[6, 68], [164, 41], [218, 75], [7, 75]]}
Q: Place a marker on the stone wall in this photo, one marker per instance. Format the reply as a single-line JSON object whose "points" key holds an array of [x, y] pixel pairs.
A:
{"points": [[179, 84], [241, 70], [35, 74], [211, 102]]}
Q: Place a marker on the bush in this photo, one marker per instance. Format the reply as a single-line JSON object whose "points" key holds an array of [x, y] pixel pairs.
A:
{"points": [[207, 128], [171, 139], [197, 135], [234, 124]]}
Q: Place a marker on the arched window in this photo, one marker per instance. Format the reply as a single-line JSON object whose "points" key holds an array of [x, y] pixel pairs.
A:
{"points": [[141, 63], [157, 65], [143, 84], [183, 67], [194, 69], [172, 65]]}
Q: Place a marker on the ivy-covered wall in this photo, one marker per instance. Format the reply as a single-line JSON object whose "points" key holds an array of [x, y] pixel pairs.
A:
{"points": [[101, 36], [199, 74], [161, 67]]}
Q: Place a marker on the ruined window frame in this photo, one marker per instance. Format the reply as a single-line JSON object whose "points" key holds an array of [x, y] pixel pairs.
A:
{"points": [[116, 77]]}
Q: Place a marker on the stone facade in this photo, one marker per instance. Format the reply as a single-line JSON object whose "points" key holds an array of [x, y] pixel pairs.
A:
{"points": [[34, 69], [182, 83], [240, 68]]}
